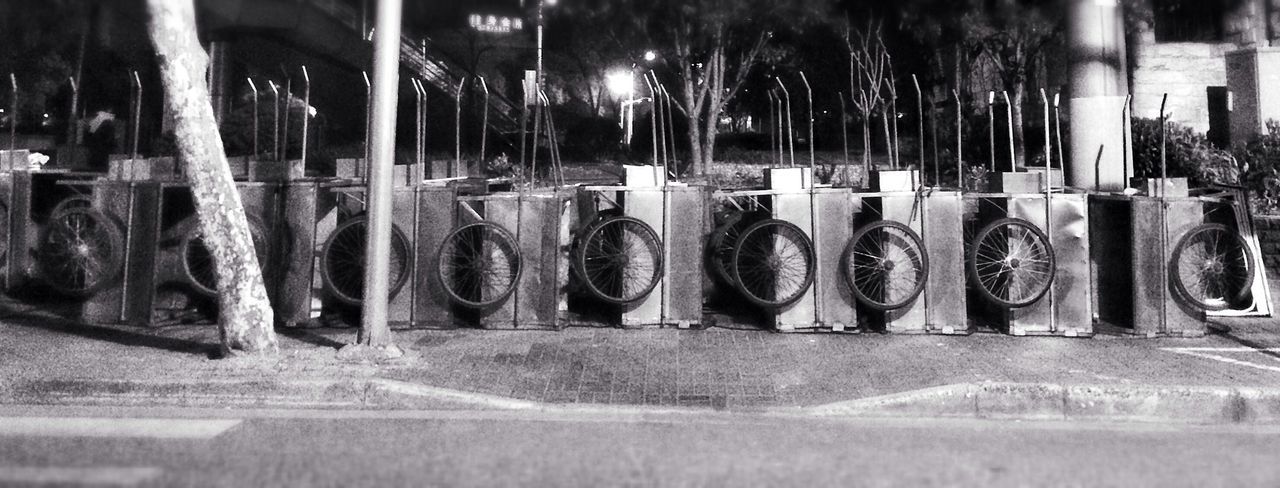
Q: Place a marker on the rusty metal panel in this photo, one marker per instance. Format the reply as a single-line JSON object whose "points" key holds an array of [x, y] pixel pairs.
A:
{"points": [[306, 204], [115, 201], [833, 214], [11, 221], [143, 234], [904, 208], [944, 293], [404, 205], [1067, 309], [1073, 286], [541, 240], [797, 208], [505, 210], [1157, 309], [648, 206], [21, 230], [435, 220], [687, 226]]}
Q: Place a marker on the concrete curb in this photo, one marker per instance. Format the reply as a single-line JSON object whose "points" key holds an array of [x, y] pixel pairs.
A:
{"points": [[1020, 401], [1051, 401]]}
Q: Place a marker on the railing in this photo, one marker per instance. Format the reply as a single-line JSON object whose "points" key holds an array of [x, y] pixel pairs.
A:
{"points": [[436, 69]]}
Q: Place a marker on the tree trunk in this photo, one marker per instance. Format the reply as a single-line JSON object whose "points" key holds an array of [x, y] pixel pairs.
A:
{"points": [[888, 141], [709, 143], [1019, 141], [245, 315], [866, 149], [695, 144]]}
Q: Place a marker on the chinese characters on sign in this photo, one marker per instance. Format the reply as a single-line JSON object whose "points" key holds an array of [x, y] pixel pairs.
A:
{"points": [[495, 23]]}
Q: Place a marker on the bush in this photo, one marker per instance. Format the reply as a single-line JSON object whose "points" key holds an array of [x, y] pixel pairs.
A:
{"points": [[1260, 157], [1187, 154]]}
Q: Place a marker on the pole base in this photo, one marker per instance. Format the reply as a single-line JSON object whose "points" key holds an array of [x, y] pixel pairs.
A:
{"points": [[363, 352]]}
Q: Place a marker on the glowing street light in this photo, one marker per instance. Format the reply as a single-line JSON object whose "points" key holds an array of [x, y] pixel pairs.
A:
{"points": [[621, 83], [649, 56]]}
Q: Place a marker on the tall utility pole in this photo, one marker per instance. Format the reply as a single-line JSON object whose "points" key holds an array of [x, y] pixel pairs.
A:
{"points": [[375, 334], [1099, 90]]}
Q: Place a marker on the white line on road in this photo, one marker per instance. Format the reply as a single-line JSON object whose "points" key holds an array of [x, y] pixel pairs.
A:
{"points": [[199, 429], [112, 476], [1222, 349], [1198, 353]]}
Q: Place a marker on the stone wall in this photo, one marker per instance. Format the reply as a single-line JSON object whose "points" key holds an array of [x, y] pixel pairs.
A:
{"points": [[1268, 228], [1184, 71]]}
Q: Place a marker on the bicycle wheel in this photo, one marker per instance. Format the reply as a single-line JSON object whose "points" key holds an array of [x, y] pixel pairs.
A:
{"points": [[479, 264], [885, 265], [773, 263], [342, 261], [1011, 262], [720, 249], [198, 265], [73, 201], [620, 260], [1212, 267], [81, 251]]}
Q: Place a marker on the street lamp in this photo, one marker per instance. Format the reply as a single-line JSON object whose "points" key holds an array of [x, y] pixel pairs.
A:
{"points": [[622, 84], [649, 56]]}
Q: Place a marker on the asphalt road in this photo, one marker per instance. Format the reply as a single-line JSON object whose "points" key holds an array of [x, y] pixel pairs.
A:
{"points": [[63, 446]]}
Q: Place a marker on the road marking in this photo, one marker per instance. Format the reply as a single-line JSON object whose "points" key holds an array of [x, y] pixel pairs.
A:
{"points": [[113, 476], [1223, 349], [1203, 352], [199, 429]]}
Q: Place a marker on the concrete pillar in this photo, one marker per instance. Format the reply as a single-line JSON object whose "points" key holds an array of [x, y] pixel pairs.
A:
{"points": [[1100, 141]]}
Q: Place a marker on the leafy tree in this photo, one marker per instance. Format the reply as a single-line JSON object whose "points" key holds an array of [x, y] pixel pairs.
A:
{"points": [[1010, 35], [41, 46]]}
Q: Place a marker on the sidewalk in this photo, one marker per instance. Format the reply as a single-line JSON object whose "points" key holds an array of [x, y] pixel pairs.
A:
{"points": [[47, 360]]}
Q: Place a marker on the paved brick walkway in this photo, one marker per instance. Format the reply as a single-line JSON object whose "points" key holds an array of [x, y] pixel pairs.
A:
{"points": [[717, 368]]}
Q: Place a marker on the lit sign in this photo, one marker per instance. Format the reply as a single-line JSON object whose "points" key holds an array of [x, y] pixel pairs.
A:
{"points": [[495, 23]]}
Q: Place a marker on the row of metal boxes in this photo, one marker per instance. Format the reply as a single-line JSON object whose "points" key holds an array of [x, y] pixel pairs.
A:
{"points": [[936, 300], [1114, 273], [537, 237]]}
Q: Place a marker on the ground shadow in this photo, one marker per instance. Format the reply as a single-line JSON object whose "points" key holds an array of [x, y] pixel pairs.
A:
{"points": [[22, 315], [1224, 331], [309, 337]]}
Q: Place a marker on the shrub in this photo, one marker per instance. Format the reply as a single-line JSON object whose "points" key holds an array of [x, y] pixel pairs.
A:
{"points": [[1188, 154], [1260, 157]]}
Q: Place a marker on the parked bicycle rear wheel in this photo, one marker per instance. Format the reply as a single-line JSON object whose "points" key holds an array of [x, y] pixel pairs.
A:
{"points": [[198, 264], [773, 263], [479, 264], [885, 265], [81, 251], [342, 261], [620, 260], [1212, 267], [1011, 263]]}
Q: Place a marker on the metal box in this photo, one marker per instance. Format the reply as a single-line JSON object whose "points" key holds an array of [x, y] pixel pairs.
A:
{"points": [[1066, 308], [1006, 182], [834, 210], [788, 179], [15, 160], [937, 217], [895, 180], [677, 214], [540, 223], [1151, 187], [1130, 261]]}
